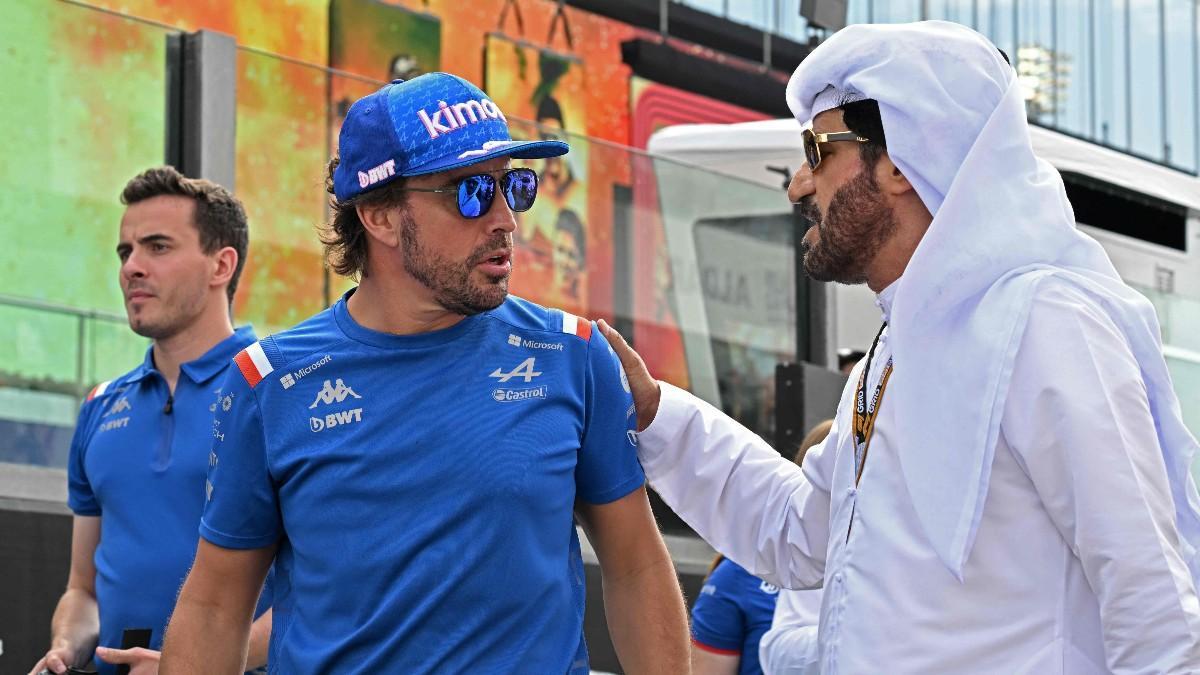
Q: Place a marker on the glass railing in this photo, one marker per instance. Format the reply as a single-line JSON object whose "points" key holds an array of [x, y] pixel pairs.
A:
{"points": [[52, 356], [84, 96], [282, 146]]}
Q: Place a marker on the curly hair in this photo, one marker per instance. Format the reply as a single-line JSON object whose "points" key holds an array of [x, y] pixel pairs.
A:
{"points": [[344, 236], [219, 218]]}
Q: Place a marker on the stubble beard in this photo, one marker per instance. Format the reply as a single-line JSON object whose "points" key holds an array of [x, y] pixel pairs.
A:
{"points": [[174, 318], [449, 280], [852, 231]]}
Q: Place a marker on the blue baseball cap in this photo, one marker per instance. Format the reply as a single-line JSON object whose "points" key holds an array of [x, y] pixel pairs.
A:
{"points": [[435, 122]]}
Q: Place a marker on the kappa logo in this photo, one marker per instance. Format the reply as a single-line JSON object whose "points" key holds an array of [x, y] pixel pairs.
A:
{"points": [[335, 392], [120, 406], [525, 371], [768, 588], [448, 118]]}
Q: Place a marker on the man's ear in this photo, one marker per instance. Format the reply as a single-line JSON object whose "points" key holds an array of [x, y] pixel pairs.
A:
{"points": [[889, 178], [226, 264], [381, 223]]}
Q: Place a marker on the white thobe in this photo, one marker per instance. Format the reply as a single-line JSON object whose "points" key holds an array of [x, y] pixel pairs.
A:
{"points": [[1076, 565], [790, 647]]}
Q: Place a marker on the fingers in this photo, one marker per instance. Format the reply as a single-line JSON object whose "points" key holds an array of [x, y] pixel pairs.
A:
{"points": [[51, 662], [642, 385], [630, 360]]}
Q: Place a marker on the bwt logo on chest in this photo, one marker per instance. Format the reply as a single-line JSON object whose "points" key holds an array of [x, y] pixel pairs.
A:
{"points": [[447, 117]]}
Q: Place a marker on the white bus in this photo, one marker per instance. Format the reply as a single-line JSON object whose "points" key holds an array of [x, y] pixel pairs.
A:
{"points": [[1145, 215]]}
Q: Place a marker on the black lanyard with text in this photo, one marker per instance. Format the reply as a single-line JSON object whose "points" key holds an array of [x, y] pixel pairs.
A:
{"points": [[864, 411]]}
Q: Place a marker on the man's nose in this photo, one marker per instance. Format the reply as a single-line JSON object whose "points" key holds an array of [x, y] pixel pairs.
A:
{"points": [[801, 185], [132, 267], [500, 218]]}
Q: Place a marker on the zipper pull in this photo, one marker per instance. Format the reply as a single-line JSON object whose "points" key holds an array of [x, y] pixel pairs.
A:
{"points": [[170, 404]]}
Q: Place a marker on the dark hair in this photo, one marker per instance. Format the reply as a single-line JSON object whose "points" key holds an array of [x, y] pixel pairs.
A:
{"points": [[344, 237], [850, 357], [569, 221], [862, 117], [219, 218]]}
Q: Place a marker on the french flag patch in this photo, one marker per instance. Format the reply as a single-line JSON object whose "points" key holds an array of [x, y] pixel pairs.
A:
{"points": [[254, 364], [98, 390], [576, 326]]}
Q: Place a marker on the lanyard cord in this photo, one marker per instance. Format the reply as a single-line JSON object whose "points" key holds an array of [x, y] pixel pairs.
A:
{"points": [[864, 413]]}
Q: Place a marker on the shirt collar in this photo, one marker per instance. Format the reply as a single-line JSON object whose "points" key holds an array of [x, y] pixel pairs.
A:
{"points": [[217, 359], [885, 298]]}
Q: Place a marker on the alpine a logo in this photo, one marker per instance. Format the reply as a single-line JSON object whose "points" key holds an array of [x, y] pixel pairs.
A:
{"points": [[524, 371], [447, 118], [336, 392], [512, 395]]}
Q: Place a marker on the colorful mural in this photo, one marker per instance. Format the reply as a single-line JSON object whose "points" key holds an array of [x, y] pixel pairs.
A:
{"points": [[554, 70], [555, 236]]}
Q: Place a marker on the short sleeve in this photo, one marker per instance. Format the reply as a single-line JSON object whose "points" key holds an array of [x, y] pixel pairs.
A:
{"points": [[80, 496], [242, 509], [718, 622], [608, 467]]}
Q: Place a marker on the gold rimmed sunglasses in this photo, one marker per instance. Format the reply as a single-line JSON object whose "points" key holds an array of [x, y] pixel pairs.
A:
{"points": [[813, 141]]}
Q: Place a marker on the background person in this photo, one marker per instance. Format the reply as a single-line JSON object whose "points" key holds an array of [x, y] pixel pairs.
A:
{"points": [[412, 457], [735, 609], [141, 447], [790, 646]]}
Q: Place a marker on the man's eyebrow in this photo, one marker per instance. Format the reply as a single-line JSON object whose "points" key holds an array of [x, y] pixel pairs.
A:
{"points": [[152, 238]]}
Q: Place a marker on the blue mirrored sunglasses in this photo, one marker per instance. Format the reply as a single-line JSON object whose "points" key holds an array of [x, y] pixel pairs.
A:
{"points": [[476, 193]]}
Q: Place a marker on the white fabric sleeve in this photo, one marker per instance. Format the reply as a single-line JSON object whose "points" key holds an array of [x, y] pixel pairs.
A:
{"points": [[737, 493], [790, 647], [1078, 419]]}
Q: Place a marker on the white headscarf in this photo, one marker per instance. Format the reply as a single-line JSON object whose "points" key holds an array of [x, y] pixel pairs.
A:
{"points": [[954, 121]]}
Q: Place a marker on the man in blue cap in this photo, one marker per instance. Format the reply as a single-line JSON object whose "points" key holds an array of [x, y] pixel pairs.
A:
{"points": [[411, 458]]}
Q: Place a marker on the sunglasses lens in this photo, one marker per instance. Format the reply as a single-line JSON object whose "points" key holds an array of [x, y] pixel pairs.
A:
{"points": [[475, 195], [811, 153], [520, 189]]}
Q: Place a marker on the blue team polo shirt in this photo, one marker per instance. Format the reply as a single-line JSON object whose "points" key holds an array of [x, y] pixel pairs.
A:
{"points": [[421, 488], [733, 612], [138, 460]]}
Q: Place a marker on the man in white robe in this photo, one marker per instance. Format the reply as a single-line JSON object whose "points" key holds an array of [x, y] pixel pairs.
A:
{"points": [[1014, 494]]}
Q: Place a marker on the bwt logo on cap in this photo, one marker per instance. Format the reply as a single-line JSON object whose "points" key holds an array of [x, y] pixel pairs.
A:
{"points": [[447, 117], [376, 174]]}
